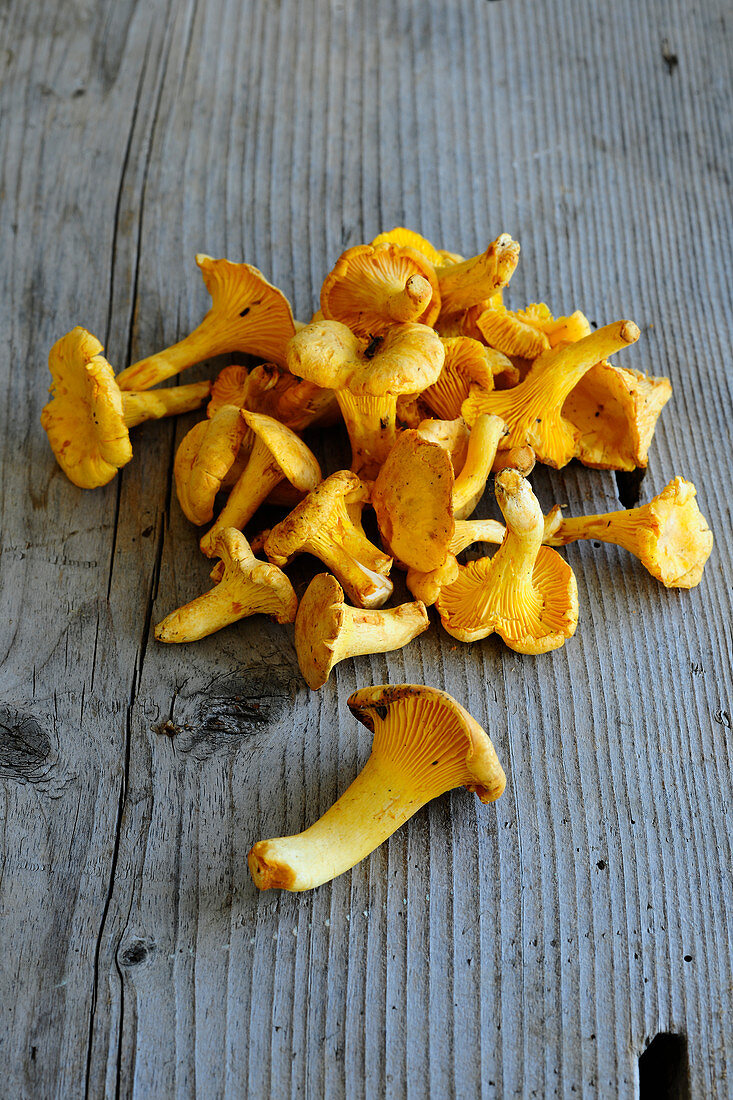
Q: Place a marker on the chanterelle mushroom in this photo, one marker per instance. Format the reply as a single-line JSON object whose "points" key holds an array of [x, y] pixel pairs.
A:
{"points": [[277, 454], [669, 535], [247, 314], [327, 630], [321, 525], [372, 286], [205, 457], [533, 410], [524, 332], [425, 744], [88, 418], [467, 362], [525, 593], [244, 586], [367, 377]]}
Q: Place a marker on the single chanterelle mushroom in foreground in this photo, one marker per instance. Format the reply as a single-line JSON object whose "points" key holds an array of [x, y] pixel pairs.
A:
{"points": [[669, 535], [525, 593], [372, 286], [534, 409], [367, 377], [247, 314], [244, 587], [278, 454], [321, 525], [327, 630], [88, 418], [425, 744]]}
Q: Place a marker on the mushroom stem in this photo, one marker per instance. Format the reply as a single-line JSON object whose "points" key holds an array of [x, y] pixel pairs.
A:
{"points": [[464, 284], [364, 631], [210, 612], [140, 406], [533, 409], [468, 488], [371, 423], [409, 302], [207, 340], [469, 531], [257, 480], [344, 557]]}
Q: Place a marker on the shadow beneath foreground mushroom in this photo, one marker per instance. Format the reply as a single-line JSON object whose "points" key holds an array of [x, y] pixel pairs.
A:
{"points": [[425, 744]]}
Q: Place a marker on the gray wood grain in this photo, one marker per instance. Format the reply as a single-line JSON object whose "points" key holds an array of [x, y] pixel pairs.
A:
{"points": [[528, 949]]}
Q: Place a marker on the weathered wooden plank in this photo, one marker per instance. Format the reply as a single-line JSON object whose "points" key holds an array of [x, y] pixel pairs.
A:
{"points": [[531, 948]]}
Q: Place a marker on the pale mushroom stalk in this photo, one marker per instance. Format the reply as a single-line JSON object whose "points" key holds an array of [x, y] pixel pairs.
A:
{"points": [[244, 586], [137, 407], [424, 745], [372, 426], [247, 314], [533, 409], [669, 535], [470, 531], [464, 284], [257, 480], [328, 631], [470, 483]]}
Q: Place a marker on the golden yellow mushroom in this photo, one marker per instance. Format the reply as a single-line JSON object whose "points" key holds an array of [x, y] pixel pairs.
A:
{"points": [[326, 524], [277, 454], [615, 411], [367, 377], [88, 418], [247, 314], [525, 593], [426, 585], [425, 744], [467, 362], [205, 458], [524, 332], [327, 630], [412, 498], [483, 443], [372, 286], [464, 284], [534, 409], [669, 535], [407, 238], [244, 586]]}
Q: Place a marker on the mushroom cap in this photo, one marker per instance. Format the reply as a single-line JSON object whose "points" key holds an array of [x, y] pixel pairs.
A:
{"points": [[356, 291], [317, 627], [229, 388], [467, 362], [412, 498], [84, 420], [258, 313], [294, 458], [313, 513], [203, 460], [407, 238], [677, 541], [405, 358], [437, 734]]}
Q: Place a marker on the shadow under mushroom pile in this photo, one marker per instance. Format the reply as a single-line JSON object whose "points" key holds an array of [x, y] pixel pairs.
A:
{"points": [[438, 384]]}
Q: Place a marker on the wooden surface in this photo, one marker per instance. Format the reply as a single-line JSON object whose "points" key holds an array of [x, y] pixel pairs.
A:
{"points": [[530, 948]]}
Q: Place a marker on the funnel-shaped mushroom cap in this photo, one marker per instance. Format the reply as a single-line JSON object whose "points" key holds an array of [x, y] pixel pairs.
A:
{"points": [[526, 593], [323, 526], [373, 286], [615, 411], [524, 332], [247, 314], [85, 420], [244, 587], [407, 238], [425, 744], [204, 458], [412, 498], [327, 630], [295, 459], [670, 536], [467, 363], [235, 385], [404, 359]]}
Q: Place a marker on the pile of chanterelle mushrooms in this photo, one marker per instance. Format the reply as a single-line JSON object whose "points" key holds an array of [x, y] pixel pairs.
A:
{"points": [[439, 383]]}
